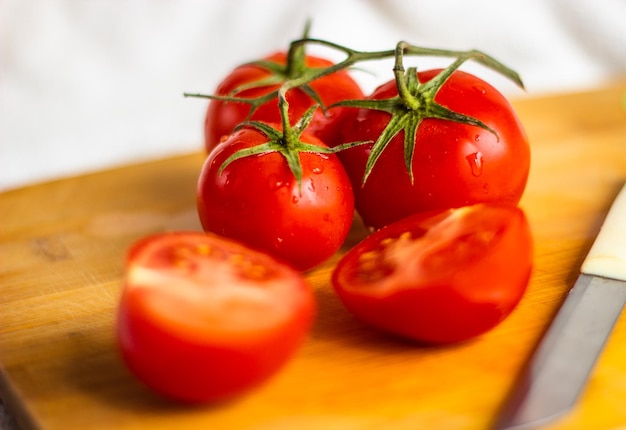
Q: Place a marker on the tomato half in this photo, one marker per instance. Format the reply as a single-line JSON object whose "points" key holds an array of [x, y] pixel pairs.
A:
{"points": [[222, 117], [258, 201], [441, 276], [203, 318], [453, 164]]}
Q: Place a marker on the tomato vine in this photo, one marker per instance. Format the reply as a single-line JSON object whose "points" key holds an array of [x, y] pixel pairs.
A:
{"points": [[414, 102]]}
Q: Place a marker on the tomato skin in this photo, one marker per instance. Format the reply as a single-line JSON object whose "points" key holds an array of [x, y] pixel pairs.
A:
{"points": [[461, 273], [256, 200], [454, 164], [186, 348], [222, 117]]}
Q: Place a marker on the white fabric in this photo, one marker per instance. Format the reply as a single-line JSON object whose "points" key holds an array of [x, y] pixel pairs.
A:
{"points": [[87, 85]]}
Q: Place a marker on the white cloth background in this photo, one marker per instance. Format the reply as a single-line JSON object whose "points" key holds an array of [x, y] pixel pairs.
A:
{"points": [[92, 84]]}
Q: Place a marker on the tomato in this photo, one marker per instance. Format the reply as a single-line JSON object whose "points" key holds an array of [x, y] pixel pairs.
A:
{"points": [[453, 164], [258, 201], [203, 318], [222, 117], [440, 276]]}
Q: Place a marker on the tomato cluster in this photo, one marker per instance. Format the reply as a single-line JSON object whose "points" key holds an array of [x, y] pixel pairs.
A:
{"points": [[434, 163]]}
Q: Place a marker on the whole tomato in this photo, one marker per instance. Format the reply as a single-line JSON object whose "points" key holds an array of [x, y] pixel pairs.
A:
{"points": [[258, 200], [256, 80], [453, 164], [202, 318], [440, 276]]}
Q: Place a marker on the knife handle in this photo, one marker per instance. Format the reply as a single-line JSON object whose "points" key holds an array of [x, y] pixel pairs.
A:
{"points": [[607, 256]]}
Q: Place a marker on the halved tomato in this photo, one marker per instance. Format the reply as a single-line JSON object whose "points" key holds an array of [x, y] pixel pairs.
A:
{"points": [[204, 318], [442, 276]]}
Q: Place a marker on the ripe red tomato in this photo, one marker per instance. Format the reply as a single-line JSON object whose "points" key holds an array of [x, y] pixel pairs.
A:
{"points": [[440, 276], [257, 200], [453, 164], [222, 117], [202, 318]]}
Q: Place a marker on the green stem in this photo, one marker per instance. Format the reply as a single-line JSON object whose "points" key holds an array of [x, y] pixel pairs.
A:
{"points": [[352, 57], [283, 106], [296, 56], [401, 79]]}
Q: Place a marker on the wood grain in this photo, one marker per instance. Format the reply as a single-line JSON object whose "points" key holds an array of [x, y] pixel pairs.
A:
{"points": [[62, 246]]}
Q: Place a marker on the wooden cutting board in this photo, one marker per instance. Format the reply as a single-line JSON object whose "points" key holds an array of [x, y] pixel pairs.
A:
{"points": [[61, 250]]}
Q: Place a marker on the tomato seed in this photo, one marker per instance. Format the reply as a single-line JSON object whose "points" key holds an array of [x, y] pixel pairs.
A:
{"points": [[256, 271], [203, 249]]}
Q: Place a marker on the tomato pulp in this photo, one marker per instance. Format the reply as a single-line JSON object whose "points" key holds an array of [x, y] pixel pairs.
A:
{"points": [[440, 276]]}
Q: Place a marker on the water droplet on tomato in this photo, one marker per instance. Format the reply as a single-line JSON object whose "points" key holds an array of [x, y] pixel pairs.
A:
{"points": [[475, 161], [295, 199], [477, 138], [317, 170], [275, 183], [278, 242], [480, 89]]}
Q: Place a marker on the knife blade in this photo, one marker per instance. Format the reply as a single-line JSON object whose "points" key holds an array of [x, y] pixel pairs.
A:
{"points": [[558, 370]]}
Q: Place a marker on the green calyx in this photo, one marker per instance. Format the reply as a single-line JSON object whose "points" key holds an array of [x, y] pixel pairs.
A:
{"points": [[294, 70], [287, 142], [279, 74], [415, 102]]}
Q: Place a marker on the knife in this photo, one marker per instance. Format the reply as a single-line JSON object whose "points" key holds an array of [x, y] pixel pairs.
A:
{"points": [[556, 374]]}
